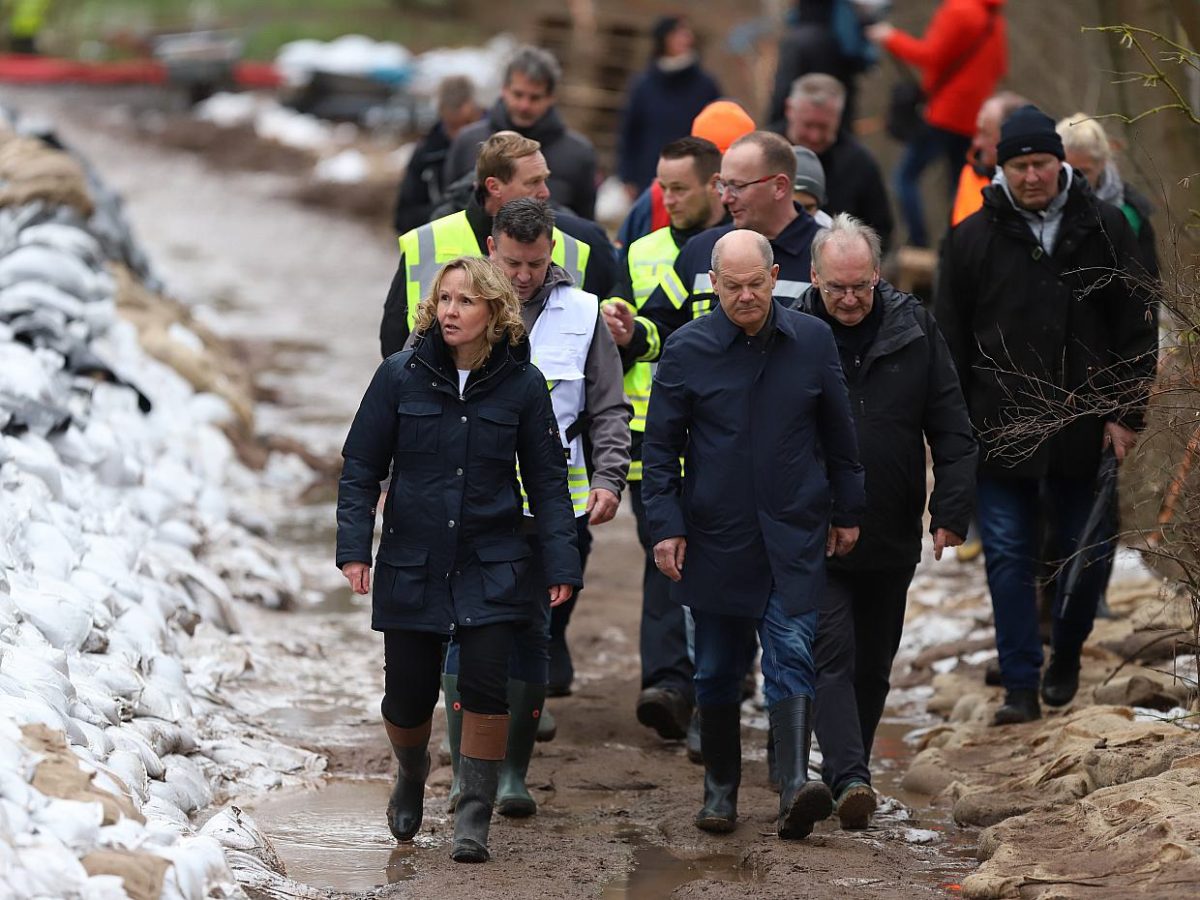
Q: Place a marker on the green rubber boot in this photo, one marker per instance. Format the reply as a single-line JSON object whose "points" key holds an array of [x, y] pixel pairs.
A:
{"points": [[525, 702], [453, 733]]}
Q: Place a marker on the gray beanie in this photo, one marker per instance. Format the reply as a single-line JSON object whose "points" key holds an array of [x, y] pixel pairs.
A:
{"points": [[810, 175]]}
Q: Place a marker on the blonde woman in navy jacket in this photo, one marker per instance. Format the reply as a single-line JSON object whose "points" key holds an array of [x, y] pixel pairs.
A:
{"points": [[449, 419]]}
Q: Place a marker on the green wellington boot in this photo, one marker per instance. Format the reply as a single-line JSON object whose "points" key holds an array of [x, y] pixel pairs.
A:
{"points": [[453, 732], [525, 703]]}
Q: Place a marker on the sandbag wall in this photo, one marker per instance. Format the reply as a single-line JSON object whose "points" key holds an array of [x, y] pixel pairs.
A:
{"points": [[117, 538]]}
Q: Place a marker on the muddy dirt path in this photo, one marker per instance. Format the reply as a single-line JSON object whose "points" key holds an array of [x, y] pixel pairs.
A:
{"points": [[616, 803]]}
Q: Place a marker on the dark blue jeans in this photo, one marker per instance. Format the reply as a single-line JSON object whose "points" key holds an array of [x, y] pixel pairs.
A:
{"points": [[1011, 511], [725, 650], [925, 149]]}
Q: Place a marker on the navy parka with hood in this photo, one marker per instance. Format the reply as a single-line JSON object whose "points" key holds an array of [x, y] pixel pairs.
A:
{"points": [[770, 460], [452, 552]]}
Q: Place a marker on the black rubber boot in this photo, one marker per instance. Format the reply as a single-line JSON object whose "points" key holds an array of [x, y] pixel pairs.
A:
{"points": [[483, 744], [453, 733], [406, 805], [525, 703], [772, 762], [693, 739], [802, 802], [1020, 706], [1060, 682], [721, 747]]}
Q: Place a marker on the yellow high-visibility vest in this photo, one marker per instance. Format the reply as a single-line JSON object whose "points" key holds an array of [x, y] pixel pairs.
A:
{"points": [[428, 248]]}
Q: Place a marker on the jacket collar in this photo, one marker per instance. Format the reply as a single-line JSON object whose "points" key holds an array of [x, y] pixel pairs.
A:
{"points": [[898, 328], [728, 332], [546, 129], [798, 235], [430, 348]]}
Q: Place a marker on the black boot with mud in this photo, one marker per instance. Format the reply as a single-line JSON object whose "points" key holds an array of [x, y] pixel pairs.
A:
{"points": [[525, 703], [802, 803], [1020, 706], [1060, 682], [855, 806], [666, 711], [484, 740], [721, 747], [406, 805]]}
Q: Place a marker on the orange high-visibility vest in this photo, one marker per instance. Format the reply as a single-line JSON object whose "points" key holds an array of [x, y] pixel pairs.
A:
{"points": [[969, 198]]}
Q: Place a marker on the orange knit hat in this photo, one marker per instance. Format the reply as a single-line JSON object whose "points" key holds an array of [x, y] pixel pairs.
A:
{"points": [[722, 122]]}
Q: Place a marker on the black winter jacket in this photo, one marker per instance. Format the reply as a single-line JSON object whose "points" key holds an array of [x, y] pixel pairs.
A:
{"points": [[903, 392], [452, 552], [570, 156], [1054, 343]]}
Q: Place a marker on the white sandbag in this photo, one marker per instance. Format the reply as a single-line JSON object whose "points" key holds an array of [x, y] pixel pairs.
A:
{"points": [[65, 238], [128, 766], [75, 824], [126, 738]]}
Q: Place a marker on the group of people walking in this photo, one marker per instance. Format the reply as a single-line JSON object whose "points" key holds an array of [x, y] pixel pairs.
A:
{"points": [[742, 367]]}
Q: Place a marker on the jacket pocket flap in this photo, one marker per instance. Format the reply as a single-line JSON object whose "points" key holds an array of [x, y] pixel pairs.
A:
{"points": [[403, 556], [419, 408], [499, 415], [507, 550]]}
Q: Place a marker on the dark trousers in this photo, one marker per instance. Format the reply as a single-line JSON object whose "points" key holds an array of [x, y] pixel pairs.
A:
{"points": [[1011, 511], [923, 150], [531, 639], [862, 617], [560, 616], [412, 670], [665, 660]]}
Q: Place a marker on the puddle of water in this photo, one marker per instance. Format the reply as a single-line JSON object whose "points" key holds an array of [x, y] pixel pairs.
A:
{"points": [[656, 872], [336, 837], [297, 718]]}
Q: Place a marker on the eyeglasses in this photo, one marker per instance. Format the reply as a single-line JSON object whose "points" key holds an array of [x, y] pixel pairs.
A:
{"points": [[841, 290], [735, 189]]}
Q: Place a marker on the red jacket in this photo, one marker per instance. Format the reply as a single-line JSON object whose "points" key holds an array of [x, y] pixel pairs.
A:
{"points": [[957, 25]]}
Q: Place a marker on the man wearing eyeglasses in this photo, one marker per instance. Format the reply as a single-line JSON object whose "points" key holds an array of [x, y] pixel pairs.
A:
{"points": [[757, 176], [754, 399], [904, 391]]}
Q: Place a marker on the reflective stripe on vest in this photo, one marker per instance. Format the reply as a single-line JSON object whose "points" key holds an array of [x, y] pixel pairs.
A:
{"points": [[428, 248], [651, 263], [560, 340], [785, 289]]}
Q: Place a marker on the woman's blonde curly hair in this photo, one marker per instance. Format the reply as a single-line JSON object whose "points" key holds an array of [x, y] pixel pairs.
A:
{"points": [[484, 282]]}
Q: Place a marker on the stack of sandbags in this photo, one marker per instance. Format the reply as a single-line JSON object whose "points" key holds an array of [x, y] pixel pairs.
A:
{"points": [[116, 539]]}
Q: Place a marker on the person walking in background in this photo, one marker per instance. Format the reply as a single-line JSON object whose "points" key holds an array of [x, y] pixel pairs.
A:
{"points": [[980, 168], [753, 398], [903, 392], [824, 36], [662, 101], [449, 420], [853, 180], [687, 171], [509, 167], [962, 56], [1089, 152], [526, 106], [1055, 351], [422, 186]]}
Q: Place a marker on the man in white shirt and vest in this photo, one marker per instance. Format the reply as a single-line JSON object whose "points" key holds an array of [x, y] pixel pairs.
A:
{"points": [[687, 173], [572, 347], [509, 167]]}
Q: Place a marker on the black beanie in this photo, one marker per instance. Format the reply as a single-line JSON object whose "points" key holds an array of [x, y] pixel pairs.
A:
{"points": [[1028, 130]]}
